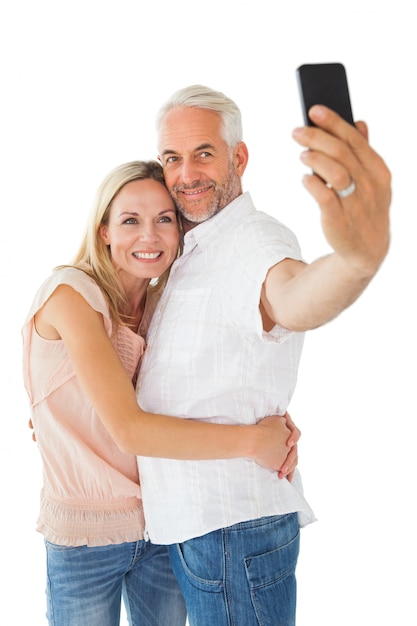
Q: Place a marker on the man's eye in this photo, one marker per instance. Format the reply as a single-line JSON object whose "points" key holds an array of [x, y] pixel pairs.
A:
{"points": [[171, 159], [205, 154]]}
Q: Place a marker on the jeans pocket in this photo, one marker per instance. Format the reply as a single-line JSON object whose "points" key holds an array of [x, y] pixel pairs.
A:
{"points": [[183, 569], [272, 584]]}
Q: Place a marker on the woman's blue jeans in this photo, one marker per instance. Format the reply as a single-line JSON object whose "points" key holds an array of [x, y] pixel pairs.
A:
{"points": [[243, 575], [85, 586]]}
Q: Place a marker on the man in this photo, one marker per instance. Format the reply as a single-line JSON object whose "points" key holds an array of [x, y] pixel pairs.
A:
{"points": [[225, 343]]}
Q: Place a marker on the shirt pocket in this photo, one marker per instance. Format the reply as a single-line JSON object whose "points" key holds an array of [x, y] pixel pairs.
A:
{"points": [[181, 323]]}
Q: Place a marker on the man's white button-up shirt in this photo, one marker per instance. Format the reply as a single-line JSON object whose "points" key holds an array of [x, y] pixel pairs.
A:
{"points": [[209, 358]]}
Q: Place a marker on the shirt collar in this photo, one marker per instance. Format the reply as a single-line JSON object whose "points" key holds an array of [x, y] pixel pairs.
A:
{"points": [[206, 233]]}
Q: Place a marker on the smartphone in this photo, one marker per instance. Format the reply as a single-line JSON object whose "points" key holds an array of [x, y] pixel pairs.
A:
{"points": [[324, 83]]}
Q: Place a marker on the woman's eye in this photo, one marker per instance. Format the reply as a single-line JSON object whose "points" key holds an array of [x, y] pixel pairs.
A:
{"points": [[165, 218], [130, 220]]}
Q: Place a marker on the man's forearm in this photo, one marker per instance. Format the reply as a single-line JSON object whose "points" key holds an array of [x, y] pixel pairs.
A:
{"points": [[316, 294]]}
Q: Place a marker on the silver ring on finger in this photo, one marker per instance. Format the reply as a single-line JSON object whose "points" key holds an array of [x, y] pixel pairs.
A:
{"points": [[344, 193]]}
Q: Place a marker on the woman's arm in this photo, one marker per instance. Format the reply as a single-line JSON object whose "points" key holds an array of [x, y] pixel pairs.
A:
{"points": [[68, 316]]}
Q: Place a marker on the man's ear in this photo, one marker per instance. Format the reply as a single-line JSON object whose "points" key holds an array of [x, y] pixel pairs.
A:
{"points": [[241, 157]]}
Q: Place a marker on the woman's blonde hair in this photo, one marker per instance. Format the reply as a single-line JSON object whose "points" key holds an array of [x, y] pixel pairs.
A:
{"points": [[93, 256]]}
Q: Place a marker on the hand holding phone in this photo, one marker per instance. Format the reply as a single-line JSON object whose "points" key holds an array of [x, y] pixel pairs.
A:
{"points": [[324, 83]]}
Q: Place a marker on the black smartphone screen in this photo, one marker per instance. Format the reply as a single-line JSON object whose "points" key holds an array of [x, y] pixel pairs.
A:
{"points": [[324, 83]]}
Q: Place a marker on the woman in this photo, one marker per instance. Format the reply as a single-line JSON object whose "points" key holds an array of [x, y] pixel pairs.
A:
{"points": [[83, 341]]}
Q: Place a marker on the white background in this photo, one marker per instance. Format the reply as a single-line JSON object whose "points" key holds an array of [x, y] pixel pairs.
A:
{"points": [[81, 82]]}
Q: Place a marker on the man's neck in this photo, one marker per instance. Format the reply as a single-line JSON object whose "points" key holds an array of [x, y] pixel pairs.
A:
{"points": [[187, 225]]}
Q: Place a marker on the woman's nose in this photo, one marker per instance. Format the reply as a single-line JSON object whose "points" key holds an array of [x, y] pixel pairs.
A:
{"points": [[148, 232]]}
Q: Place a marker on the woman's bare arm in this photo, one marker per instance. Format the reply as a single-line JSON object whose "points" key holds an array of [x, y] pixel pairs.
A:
{"points": [[106, 383]]}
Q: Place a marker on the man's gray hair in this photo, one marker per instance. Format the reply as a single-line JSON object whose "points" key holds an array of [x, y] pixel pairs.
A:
{"points": [[201, 97]]}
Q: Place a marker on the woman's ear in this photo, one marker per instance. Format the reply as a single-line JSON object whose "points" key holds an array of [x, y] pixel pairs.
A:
{"points": [[104, 234]]}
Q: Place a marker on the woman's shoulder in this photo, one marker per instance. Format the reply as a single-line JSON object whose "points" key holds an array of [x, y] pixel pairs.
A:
{"points": [[76, 278]]}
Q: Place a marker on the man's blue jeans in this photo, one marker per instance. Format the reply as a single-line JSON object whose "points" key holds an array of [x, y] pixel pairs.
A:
{"points": [[85, 586], [243, 575]]}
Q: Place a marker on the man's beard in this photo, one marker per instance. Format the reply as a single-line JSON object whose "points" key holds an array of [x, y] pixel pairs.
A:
{"points": [[223, 194]]}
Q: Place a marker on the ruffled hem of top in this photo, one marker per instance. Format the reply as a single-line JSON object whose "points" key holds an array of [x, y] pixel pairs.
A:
{"points": [[91, 522]]}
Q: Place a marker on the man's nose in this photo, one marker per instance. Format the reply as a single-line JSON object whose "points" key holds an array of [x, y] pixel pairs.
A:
{"points": [[189, 171]]}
